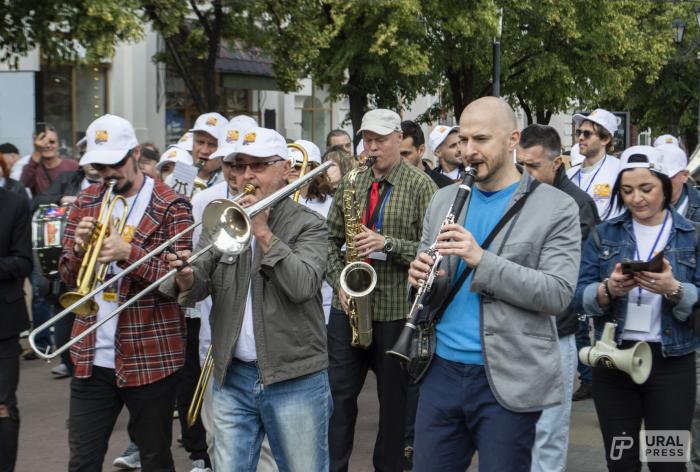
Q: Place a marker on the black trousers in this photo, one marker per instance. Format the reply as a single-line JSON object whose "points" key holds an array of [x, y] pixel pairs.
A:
{"points": [[194, 439], [9, 425], [95, 404], [347, 371], [664, 402]]}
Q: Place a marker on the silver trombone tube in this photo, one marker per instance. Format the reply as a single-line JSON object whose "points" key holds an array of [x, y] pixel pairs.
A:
{"points": [[54, 319], [224, 207]]}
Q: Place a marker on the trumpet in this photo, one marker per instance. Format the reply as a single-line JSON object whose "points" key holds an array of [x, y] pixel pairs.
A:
{"points": [[208, 366], [91, 272], [230, 227]]}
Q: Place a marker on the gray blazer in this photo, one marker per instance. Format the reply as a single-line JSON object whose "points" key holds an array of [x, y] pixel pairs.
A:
{"points": [[528, 274], [288, 320]]}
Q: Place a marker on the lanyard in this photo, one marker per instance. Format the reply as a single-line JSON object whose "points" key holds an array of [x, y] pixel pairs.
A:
{"points": [[578, 173], [375, 220], [651, 252], [110, 271]]}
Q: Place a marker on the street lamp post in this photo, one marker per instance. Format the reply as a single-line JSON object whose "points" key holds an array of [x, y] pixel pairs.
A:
{"points": [[679, 29], [496, 90]]}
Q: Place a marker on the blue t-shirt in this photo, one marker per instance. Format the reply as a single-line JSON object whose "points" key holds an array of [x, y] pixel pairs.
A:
{"points": [[459, 329]]}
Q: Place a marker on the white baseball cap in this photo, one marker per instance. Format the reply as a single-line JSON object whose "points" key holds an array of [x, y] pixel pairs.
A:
{"points": [[666, 139], [185, 142], [652, 159], [360, 147], [311, 149], [109, 139], [576, 157], [438, 136], [210, 123], [602, 117], [381, 121], [260, 142], [174, 154], [674, 159], [232, 133]]}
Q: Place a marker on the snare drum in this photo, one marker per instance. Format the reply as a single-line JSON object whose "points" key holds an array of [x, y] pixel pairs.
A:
{"points": [[48, 224]]}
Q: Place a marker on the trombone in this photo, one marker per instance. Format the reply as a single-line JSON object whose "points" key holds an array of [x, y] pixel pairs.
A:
{"points": [[230, 227], [304, 164]]}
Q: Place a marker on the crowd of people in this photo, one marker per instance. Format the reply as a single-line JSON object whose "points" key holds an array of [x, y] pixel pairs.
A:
{"points": [[531, 271]]}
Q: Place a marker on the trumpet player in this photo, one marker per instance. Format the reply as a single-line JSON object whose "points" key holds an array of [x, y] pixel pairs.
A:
{"points": [[133, 359], [205, 141], [267, 324], [496, 363], [391, 198]]}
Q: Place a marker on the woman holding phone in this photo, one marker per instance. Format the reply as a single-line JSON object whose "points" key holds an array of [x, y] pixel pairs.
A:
{"points": [[646, 306]]}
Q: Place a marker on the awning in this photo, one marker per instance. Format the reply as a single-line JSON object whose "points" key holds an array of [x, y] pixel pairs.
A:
{"points": [[245, 69]]}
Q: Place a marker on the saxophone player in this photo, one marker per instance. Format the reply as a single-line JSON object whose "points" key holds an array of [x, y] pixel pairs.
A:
{"points": [[389, 197]]}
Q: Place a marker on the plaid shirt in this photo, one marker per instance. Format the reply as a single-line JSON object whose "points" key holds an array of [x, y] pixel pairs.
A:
{"points": [[150, 337], [411, 192]]}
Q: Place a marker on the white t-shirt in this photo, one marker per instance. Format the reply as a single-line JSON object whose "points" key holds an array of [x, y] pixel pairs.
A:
{"points": [[454, 174], [104, 342], [643, 307], [245, 344], [322, 209], [598, 181]]}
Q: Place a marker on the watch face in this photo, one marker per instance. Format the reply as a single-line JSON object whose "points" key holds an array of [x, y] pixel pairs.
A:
{"points": [[388, 245]]}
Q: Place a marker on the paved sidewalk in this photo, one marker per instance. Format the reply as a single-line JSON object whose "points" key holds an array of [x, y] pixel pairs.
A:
{"points": [[44, 440]]}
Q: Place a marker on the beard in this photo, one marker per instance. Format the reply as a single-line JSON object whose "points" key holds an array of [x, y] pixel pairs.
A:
{"points": [[124, 188]]}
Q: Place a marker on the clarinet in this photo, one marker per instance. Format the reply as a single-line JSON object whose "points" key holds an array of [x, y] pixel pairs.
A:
{"points": [[401, 348]]}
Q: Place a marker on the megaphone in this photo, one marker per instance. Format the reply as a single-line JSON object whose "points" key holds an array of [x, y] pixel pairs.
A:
{"points": [[635, 361]]}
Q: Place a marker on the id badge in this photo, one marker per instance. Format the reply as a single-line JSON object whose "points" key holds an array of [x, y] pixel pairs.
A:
{"points": [[378, 256], [638, 318], [109, 295]]}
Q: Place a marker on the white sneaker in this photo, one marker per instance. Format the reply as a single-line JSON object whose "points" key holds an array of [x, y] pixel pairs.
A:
{"points": [[128, 461], [200, 466]]}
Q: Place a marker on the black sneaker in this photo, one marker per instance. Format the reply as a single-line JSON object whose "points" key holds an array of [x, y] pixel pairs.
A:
{"points": [[584, 392], [29, 355], [408, 458]]}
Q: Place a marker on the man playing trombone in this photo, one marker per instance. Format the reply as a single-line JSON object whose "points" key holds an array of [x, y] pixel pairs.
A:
{"points": [[132, 359], [268, 332]]}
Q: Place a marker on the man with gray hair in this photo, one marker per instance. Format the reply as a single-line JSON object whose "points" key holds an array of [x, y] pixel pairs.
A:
{"points": [[392, 198], [539, 153]]}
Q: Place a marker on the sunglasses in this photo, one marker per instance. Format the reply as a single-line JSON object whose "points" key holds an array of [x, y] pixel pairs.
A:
{"points": [[309, 165], [256, 167], [585, 132], [118, 165]]}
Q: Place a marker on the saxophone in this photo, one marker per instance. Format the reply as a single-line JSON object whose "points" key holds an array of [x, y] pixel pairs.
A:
{"points": [[358, 278]]}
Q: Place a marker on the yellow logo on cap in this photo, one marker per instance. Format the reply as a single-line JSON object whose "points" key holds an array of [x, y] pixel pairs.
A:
{"points": [[594, 112], [212, 121], [232, 135], [441, 129], [185, 137], [101, 136], [602, 190], [249, 138], [669, 140], [172, 153]]}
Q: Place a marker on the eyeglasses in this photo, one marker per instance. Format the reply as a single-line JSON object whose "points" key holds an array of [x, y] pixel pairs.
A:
{"points": [[118, 165], [585, 132], [309, 165], [256, 167]]}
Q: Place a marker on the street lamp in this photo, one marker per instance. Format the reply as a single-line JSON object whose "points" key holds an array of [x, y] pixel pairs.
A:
{"points": [[679, 27], [496, 89]]}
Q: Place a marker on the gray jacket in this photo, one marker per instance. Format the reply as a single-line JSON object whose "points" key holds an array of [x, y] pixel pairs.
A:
{"points": [[528, 274], [290, 331]]}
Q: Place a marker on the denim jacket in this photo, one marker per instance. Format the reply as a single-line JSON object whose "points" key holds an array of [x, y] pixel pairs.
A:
{"points": [[692, 211], [616, 239]]}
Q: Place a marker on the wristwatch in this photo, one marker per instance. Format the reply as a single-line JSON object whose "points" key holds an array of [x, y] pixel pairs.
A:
{"points": [[388, 245]]}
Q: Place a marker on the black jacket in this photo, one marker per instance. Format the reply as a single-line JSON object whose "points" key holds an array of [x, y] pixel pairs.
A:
{"points": [[440, 180], [15, 262], [67, 184], [567, 322]]}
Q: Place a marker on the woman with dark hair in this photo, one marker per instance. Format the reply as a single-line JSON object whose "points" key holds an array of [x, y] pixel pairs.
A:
{"points": [[645, 306]]}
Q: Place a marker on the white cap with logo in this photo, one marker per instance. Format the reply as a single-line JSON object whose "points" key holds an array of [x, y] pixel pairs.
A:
{"points": [[645, 157], [602, 117], [231, 134], [673, 158], [109, 139], [185, 142], [438, 136], [210, 123], [311, 149], [260, 142], [174, 154], [666, 139], [380, 121]]}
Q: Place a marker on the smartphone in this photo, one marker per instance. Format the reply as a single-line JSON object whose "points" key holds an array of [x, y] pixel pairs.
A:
{"points": [[655, 264], [39, 128]]}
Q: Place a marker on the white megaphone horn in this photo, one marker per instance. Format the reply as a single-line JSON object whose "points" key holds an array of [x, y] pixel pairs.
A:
{"points": [[635, 361]]}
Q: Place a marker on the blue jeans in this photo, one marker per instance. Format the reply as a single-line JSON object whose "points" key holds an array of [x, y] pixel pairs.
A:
{"points": [[552, 435], [582, 340], [458, 415], [294, 414]]}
